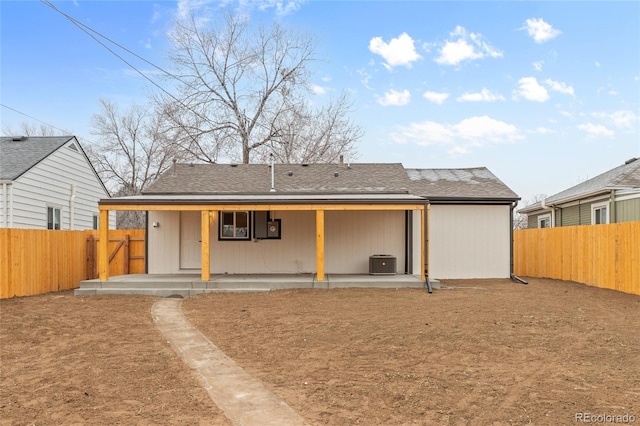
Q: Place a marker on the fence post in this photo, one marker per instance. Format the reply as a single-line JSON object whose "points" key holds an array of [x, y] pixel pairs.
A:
{"points": [[125, 255], [91, 257]]}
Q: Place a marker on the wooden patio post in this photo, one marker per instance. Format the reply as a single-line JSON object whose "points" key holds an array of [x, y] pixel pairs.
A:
{"points": [[320, 245], [103, 246], [205, 247]]}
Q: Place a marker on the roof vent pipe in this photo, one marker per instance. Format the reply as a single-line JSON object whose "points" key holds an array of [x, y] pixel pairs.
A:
{"points": [[273, 173]]}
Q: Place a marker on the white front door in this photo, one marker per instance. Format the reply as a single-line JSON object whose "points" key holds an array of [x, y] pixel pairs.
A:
{"points": [[190, 244]]}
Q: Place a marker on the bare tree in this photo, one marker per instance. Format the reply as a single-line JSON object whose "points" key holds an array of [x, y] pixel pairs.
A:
{"points": [[242, 92], [130, 154], [31, 129], [521, 221]]}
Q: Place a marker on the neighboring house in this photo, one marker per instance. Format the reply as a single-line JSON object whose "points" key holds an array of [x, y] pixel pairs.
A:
{"points": [[612, 197], [48, 183], [325, 218]]}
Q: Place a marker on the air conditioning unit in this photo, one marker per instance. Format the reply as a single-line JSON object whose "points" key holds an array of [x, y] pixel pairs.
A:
{"points": [[382, 264]]}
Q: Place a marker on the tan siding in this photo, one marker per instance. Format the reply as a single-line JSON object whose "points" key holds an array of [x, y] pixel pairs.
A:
{"points": [[352, 236], [628, 210], [164, 243], [294, 253], [469, 241]]}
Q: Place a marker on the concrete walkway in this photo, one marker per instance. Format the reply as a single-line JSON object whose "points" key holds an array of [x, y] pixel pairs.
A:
{"points": [[244, 400]]}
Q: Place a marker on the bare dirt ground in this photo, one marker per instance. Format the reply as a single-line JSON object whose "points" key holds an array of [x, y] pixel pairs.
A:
{"points": [[478, 352]]}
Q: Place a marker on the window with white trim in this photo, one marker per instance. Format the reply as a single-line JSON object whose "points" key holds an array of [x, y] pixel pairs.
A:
{"points": [[53, 218], [600, 213], [544, 221], [96, 221], [234, 226]]}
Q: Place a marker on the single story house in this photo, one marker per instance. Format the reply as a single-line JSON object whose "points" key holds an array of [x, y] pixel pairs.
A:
{"points": [[47, 182], [611, 197], [324, 219]]}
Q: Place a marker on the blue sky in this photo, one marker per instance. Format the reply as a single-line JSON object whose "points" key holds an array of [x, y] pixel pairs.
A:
{"points": [[544, 94]]}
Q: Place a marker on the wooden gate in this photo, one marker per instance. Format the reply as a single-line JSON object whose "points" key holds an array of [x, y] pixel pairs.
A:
{"points": [[126, 253]]}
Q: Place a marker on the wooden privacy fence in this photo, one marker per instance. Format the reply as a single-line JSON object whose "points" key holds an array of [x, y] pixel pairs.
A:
{"points": [[606, 256], [36, 261]]}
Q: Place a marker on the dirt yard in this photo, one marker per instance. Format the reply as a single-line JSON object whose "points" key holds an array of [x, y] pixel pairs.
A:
{"points": [[475, 352]]}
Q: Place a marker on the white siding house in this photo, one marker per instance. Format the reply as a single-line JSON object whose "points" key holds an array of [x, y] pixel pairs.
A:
{"points": [[365, 209], [48, 183]]}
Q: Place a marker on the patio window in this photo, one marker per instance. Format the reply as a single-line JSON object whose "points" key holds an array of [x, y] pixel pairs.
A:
{"points": [[544, 221], [599, 213], [53, 218], [234, 226]]}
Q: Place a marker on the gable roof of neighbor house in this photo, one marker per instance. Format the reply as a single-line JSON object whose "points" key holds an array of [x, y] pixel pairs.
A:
{"points": [[19, 154], [626, 176], [357, 182]]}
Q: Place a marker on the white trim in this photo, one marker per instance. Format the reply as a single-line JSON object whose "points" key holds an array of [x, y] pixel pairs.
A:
{"points": [[627, 196], [597, 206], [544, 217]]}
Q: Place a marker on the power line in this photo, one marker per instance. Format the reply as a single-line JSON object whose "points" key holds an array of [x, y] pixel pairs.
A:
{"points": [[33, 118], [88, 30]]}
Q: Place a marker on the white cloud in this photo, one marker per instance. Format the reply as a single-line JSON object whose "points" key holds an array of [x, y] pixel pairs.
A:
{"points": [[596, 130], [530, 89], [425, 133], [623, 119], [459, 137], [542, 130], [318, 90], [399, 51], [435, 97], [395, 98], [485, 129], [540, 30], [538, 65], [465, 46], [597, 64], [483, 96], [559, 87]]}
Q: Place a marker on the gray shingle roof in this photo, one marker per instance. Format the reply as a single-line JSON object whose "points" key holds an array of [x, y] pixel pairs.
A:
{"points": [[476, 182], [621, 177], [289, 178], [626, 176], [18, 156], [358, 178]]}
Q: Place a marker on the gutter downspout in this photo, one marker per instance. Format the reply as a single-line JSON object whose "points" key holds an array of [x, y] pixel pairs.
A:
{"points": [[511, 274], [72, 205], [612, 207], [427, 225]]}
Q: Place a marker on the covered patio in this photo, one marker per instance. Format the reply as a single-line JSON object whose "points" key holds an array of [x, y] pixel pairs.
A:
{"points": [[211, 207]]}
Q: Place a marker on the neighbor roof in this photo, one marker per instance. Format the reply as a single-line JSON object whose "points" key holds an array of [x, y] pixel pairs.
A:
{"points": [[626, 176], [19, 154]]}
